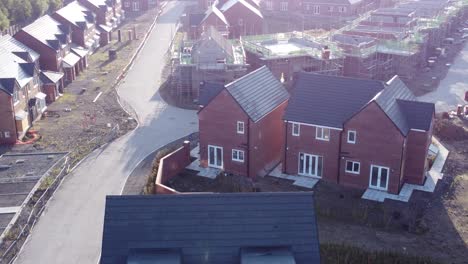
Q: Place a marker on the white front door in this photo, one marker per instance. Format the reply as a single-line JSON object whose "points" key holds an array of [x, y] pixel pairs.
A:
{"points": [[215, 156], [379, 177], [310, 165]]}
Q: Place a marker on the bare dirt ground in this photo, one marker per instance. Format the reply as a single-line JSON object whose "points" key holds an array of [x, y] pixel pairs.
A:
{"points": [[437, 223], [74, 123]]}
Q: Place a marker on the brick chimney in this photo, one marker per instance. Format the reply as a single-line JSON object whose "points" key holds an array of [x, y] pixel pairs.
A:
{"points": [[325, 53]]}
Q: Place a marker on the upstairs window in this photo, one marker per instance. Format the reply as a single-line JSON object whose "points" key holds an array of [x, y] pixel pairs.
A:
{"points": [[15, 95], [296, 129], [284, 6], [353, 167], [352, 137], [342, 9], [322, 133], [240, 127], [269, 5], [316, 10]]}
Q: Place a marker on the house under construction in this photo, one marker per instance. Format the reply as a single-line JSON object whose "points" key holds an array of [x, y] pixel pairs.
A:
{"points": [[212, 58], [287, 53], [399, 40]]}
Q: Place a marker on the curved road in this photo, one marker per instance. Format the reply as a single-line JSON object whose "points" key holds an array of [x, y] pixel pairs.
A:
{"points": [[70, 230]]}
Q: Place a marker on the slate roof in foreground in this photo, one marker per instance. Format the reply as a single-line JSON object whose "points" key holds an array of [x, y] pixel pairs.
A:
{"points": [[258, 93], [209, 228]]}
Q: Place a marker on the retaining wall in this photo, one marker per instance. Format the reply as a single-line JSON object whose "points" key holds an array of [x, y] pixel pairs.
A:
{"points": [[170, 166]]}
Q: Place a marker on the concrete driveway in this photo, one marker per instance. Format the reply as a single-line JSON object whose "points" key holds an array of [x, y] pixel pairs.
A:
{"points": [[70, 230], [451, 90]]}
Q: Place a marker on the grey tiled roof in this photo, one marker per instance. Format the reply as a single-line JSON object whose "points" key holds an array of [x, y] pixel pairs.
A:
{"points": [[48, 31], [258, 93], [208, 91], [328, 100], [210, 228], [9, 43], [50, 76], [418, 114], [395, 89], [77, 14], [13, 67]]}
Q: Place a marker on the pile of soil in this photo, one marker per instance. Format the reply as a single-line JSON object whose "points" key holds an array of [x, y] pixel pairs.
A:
{"points": [[454, 129]]}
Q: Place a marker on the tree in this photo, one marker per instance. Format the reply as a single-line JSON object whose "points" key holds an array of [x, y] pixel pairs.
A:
{"points": [[21, 12], [54, 4], [4, 22], [39, 7]]}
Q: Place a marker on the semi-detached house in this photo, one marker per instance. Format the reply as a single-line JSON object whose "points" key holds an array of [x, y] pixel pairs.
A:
{"points": [[357, 133], [52, 41], [241, 130]]}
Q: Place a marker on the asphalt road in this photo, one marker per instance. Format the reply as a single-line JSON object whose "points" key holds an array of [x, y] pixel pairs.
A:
{"points": [[70, 230], [451, 90]]}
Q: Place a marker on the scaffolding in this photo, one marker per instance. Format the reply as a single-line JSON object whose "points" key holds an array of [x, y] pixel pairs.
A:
{"points": [[210, 59], [291, 52]]}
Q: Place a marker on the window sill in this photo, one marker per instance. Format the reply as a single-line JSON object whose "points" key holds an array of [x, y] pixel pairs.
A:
{"points": [[352, 172]]}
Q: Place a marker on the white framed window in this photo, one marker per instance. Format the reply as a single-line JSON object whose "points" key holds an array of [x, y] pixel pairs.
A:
{"points": [[352, 136], [310, 165], [127, 4], [316, 10], [238, 155], [240, 22], [240, 127], [210, 3], [15, 96], [353, 167], [296, 129], [378, 178], [7, 134], [136, 6], [330, 9], [269, 5], [322, 133], [283, 6], [342, 9]]}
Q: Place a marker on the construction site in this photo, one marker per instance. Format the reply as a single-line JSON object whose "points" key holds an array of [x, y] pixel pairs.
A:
{"points": [[287, 53], [407, 40], [212, 58]]}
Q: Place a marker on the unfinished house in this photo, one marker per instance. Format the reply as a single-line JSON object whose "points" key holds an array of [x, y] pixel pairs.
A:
{"points": [[210, 59], [362, 59], [287, 53]]}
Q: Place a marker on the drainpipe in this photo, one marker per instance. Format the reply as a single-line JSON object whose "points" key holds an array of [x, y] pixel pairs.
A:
{"points": [[285, 146], [339, 156], [248, 148], [402, 169]]}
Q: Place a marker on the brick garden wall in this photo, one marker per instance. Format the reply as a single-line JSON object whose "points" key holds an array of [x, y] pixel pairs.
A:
{"points": [[170, 166]]}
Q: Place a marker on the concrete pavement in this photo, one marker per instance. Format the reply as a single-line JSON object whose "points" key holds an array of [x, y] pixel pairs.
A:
{"points": [[451, 90], [70, 230]]}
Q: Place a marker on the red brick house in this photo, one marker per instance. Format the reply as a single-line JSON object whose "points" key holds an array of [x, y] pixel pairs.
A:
{"points": [[214, 18], [241, 131], [82, 23], [357, 133], [21, 99], [51, 85], [316, 8], [243, 17], [106, 17], [137, 6], [52, 41]]}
